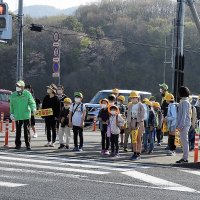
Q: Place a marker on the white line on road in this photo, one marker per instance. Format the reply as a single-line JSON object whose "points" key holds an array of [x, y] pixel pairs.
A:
{"points": [[87, 161], [29, 171], [8, 184], [64, 164], [192, 172], [164, 184], [55, 168]]}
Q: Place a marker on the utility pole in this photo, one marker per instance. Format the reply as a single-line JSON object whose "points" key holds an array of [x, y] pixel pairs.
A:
{"points": [[20, 63], [179, 55]]}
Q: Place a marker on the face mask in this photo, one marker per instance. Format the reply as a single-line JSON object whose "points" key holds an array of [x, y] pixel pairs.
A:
{"points": [[134, 100], [18, 89], [103, 105], [77, 100], [49, 91], [113, 112], [67, 106], [59, 92], [161, 90]]}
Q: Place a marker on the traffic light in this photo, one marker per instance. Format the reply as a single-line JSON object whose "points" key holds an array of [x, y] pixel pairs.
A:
{"points": [[3, 16], [5, 22]]}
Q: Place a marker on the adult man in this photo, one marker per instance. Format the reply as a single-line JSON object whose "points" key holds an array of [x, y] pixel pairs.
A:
{"points": [[21, 106]]}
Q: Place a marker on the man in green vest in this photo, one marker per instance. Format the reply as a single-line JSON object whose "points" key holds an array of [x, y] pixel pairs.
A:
{"points": [[21, 106]]}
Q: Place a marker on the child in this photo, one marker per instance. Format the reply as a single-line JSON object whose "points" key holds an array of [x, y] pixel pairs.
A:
{"points": [[184, 121], [115, 123], [76, 120], [103, 118], [51, 101], [64, 124], [135, 119], [149, 133], [159, 121], [122, 109], [171, 123]]}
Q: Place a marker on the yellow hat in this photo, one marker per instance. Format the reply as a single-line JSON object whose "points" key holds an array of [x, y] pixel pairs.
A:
{"points": [[149, 103], [145, 99], [115, 107], [122, 98], [169, 97], [103, 100], [115, 91], [156, 105], [67, 100], [134, 94]]}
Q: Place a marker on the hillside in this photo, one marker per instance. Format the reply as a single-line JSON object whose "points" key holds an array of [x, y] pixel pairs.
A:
{"points": [[38, 11]]}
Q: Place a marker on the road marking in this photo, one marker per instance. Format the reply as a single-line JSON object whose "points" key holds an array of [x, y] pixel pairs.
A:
{"points": [[12, 185], [55, 168], [102, 164], [192, 172], [29, 171], [164, 184], [134, 185]]}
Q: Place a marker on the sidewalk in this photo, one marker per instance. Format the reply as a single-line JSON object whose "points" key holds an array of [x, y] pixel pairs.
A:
{"points": [[92, 148]]}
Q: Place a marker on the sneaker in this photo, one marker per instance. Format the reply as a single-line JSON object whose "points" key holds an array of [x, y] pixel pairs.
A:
{"points": [[150, 152], [138, 157], [144, 151], [67, 146], [158, 144], [171, 153], [121, 144], [106, 152], [62, 146], [167, 148], [182, 161], [117, 155], [80, 149], [112, 155], [52, 144], [18, 147], [28, 148], [47, 144], [35, 135], [102, 152], [75, 149], [126, 149], [134, 157]]}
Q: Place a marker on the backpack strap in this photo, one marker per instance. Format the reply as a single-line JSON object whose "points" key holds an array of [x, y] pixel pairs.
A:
{"points": [[74, 110]]}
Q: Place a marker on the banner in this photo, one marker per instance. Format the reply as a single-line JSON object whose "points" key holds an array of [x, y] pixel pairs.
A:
{"points": [[44, 112], [134, 134]]}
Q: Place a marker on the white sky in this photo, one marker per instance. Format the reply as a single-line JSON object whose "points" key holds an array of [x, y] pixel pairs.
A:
{"points": [[62, 4]]}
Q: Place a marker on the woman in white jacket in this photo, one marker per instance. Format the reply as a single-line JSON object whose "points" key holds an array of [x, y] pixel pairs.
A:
{"points": [[116, 122], [171, 119]]}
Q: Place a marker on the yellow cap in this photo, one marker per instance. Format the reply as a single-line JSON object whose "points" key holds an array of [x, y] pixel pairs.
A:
{"points": [[169, 97], [145, 99], [122, 98], [115, 91], [149, 103], [67, 100], [156, 105], [134, 94]]}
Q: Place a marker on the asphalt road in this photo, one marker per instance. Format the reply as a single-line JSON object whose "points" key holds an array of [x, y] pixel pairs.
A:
{"points": [[46, 173]]}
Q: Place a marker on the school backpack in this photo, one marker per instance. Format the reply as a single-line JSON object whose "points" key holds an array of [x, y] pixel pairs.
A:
{"points": [[81, 110]]}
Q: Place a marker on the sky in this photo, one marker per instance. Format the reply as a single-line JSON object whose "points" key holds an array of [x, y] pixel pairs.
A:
{"points": [[61, 4]]}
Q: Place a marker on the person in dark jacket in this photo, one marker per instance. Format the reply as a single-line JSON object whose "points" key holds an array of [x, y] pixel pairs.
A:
{"points": [[64, 124], [51, 101]]}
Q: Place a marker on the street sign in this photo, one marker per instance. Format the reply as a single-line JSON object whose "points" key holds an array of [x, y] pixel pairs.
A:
{"points": [[56, 52], [56, 75], [56, 59], [56, 67], [56, 44], [56, 37]]}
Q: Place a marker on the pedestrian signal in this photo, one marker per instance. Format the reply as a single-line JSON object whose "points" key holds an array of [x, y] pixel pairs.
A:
{"points": [[3, 9]]}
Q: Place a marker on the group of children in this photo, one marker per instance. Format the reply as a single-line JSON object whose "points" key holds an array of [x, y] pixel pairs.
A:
{"points": [[142, 121]]}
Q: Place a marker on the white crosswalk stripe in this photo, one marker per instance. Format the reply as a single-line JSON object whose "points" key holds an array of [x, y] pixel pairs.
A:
{"points": [[11, 185], [192, 172]]}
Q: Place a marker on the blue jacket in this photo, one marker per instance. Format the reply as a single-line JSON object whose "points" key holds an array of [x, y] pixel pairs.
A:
{"points": [[184, 114], [171, 115]]}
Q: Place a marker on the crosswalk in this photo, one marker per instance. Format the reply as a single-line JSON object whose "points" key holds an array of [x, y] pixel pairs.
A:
{"points": [[85, 170]]}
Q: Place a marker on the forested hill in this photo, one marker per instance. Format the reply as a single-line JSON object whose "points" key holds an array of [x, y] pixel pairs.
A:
{"points": [[111, 44]]}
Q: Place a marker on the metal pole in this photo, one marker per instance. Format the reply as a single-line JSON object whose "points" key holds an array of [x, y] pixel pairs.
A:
{"points": [[20, 63], [179, 56], [164, 71], [59, 63]]}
